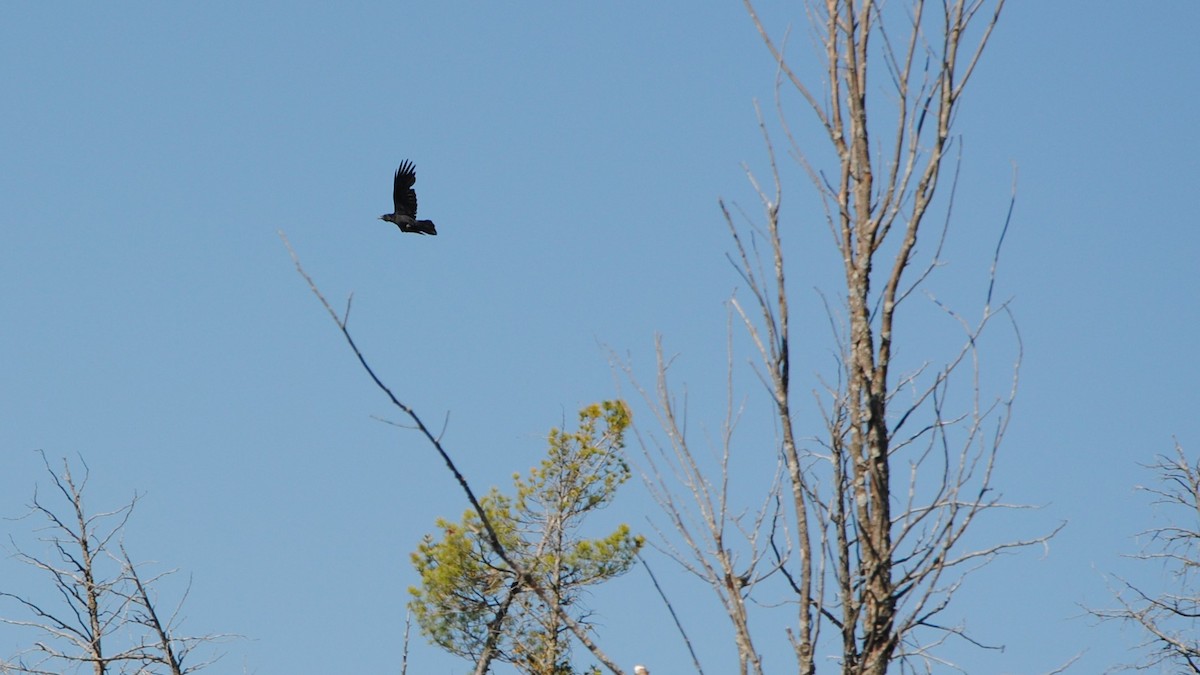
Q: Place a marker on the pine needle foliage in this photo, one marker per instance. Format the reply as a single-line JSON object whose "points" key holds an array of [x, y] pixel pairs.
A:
{"points": [[471, 604]]}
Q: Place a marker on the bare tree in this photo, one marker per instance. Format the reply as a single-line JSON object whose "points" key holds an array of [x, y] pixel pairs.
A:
{"points": [[1167, 620], [866, 525], [105, 615]]}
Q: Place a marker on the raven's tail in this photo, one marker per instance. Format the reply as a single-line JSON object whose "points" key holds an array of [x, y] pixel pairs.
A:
{"points": [[425, 227]]}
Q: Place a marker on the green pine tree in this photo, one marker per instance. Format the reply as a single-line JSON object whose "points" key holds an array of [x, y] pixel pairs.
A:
{"points": [[471, 604]]}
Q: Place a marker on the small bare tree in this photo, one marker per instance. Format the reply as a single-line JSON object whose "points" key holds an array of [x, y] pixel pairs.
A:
{"points": [[1167, 620], [105, 616], [866, 526]]}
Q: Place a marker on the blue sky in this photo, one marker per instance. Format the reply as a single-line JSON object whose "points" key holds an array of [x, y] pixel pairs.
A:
{"points": [[572, 156]]}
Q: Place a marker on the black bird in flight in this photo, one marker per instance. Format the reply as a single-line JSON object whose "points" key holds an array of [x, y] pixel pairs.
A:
{"points": [[405, 216]]}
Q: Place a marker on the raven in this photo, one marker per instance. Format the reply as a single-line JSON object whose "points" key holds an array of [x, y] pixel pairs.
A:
{"points": [[405, 216]]}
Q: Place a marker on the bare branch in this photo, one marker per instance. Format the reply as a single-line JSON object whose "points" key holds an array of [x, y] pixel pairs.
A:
{"points": [[1166, 619], [101, 597], [493, 538]]}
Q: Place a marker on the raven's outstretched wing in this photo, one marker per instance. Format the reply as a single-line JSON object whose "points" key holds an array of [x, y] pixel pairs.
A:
{"points": [[403, 196]]}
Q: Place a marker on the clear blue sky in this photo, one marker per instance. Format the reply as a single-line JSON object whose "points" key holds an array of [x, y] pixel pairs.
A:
{"points": [[572, 156]]}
